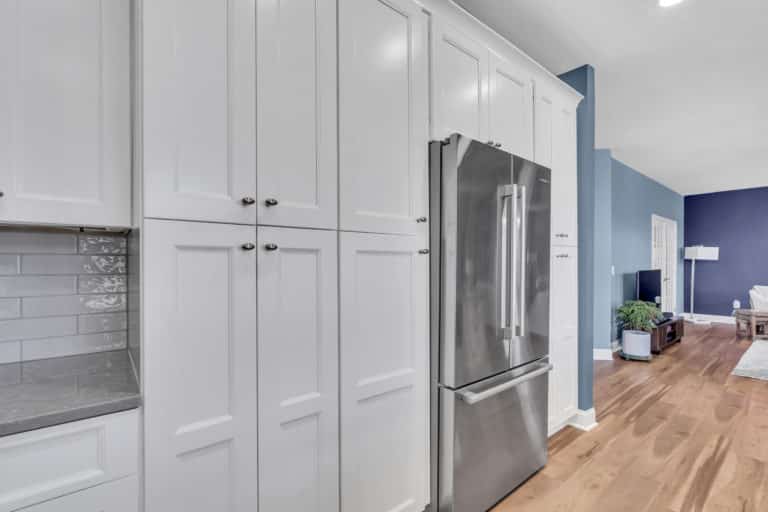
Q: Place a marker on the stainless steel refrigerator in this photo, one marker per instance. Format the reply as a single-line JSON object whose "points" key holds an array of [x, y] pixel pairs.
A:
{"points": [[490, 233]]}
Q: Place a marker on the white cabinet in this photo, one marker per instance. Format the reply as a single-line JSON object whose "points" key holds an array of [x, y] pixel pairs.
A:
{"points": [[199, 112], [564, 176], [544, 112], [296, 90], [65, 118], [119, 496], [199, 367], [298, 370], [563, 332], [383, 115], [510, 109], [384, 344]]}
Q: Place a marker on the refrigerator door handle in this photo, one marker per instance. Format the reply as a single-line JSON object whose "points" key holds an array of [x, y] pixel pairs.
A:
{"points": [[472, 398], [507, 194], [523, 243]]}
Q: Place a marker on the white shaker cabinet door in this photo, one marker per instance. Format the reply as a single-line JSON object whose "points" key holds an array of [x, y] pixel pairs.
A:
{"points": [[510, 107], [297, 128], [199, 112], [564, 337], [460, 87], [383, 115], [199, 367], [544, 112], [119, 496], [564, 177], [298, 370], [384, 374], [65, 118]]}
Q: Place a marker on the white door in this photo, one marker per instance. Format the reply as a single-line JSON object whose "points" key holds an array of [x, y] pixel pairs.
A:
{"points": [[200, 367], [199, 112], [544, 112], [119, 496], [296, 108], [383, 115], [564, 176], [564, 336], [65, 118], [510, 107], [384, 343], [664, 255], [298, 370], [460, 85]]}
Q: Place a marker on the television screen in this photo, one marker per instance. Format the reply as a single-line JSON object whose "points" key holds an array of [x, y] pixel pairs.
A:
{"points": [[649, 286]]}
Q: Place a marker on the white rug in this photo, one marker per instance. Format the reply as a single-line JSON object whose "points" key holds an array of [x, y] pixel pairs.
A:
{"points": [[754, 362]]}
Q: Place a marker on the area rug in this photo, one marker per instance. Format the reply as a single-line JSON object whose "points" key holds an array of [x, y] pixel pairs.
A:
{"points": [[754, 362]]}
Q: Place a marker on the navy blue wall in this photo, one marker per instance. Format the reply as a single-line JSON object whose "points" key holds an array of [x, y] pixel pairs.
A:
{"points": [[583, 80], [737, 222]]}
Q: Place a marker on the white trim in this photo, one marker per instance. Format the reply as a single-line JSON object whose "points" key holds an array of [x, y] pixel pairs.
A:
{"points": [[584, 420], [706, 319], [616, 345], [602, 354]]}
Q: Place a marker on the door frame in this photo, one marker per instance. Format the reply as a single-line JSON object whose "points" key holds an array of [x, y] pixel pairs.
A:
{"points": [[670, 254]]}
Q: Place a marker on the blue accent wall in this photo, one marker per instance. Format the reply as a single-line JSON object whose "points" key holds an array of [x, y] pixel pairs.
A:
{"points": [[635, 199], [583, 80], [737, 222], [603, 233]]}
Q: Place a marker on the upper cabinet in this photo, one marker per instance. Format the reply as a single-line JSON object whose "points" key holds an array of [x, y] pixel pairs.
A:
{"points": [[510, 111], [564, 176], [296, 108], [543, 113], [199, 111], [65, 118], [383, 116]]}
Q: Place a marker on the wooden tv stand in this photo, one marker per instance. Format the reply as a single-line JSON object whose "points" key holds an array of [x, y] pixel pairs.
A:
{"points": [[667, 333]]}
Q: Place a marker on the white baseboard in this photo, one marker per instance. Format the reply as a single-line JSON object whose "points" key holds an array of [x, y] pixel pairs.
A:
{"points": [[602, 354], [717, 319], [584, 420]]}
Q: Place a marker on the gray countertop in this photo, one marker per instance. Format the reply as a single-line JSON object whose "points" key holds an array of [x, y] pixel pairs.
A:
{"points": [[49, 392]]}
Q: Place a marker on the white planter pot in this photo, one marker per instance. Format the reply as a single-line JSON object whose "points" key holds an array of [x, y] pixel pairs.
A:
{"points": [[637, 344]]}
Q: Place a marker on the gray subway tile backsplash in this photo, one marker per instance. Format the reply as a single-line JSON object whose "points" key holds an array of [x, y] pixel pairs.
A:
{"points": [[61, 293]]}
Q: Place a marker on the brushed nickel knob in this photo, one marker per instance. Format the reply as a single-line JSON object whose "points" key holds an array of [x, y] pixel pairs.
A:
{"points": [[248, 201], [497, 145], [271, 202], [423, 251], [248, 247], [421, 219], [271, 247], [2, 194], [490, 143]]}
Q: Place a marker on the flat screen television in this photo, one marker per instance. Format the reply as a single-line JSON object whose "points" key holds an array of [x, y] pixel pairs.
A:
{"points": [[648, 286]]}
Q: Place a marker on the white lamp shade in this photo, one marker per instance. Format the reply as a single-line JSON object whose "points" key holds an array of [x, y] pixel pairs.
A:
{"points": [[700, 252]]}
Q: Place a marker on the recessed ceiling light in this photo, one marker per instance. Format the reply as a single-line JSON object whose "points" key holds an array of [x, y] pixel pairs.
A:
{"points": [[669, 3]]}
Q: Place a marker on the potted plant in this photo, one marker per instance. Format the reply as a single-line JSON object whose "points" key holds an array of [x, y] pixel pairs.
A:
{"points": [[636, 318]]}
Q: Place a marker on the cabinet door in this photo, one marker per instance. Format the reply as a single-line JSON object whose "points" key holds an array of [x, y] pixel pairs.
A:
{"points": [[119, 496], [564, 336], [543, 120], [384, 340], [65, 118], [199, 112], [384, 116], [200, 367], [511, 107], [297, 113], [564, 177], [298, 370], [460, 88]]}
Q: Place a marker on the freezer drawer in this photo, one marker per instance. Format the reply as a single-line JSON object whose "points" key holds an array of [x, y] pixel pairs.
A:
{"points": [[493, 436]]}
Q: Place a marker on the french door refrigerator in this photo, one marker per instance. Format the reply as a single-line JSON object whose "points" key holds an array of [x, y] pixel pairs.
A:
{"points": [[490, 233]]}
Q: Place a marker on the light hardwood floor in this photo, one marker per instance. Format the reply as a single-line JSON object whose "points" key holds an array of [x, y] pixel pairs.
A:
{"points": [[680, 434]]}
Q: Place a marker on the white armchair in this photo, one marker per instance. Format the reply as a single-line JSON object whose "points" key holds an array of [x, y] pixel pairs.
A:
{"points": [[758, 297]]}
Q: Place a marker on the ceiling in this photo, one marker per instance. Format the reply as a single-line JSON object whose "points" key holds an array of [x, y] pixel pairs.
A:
{"points": [[682, 92]]}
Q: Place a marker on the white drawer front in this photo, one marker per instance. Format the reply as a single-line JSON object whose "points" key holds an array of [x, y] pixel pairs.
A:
{"points": [[120, 496], [48, 463]]}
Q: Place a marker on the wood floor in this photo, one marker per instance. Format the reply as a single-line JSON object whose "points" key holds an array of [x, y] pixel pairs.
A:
{"points": [[677, 435]]}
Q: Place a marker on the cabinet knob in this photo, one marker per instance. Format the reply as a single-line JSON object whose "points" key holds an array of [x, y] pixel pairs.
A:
{"points": [[2, 194], [561, 256], [421, 219], [271, 202], [490, 143], [248, 247], [497, 145], [423, 251], [561, 235], [270, 247], [247, 201]]}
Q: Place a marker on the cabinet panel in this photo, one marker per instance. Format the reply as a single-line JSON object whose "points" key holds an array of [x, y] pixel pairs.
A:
{"points": [[564, 299], [199, 110], [461, 84], [511, 107], [564, 177], [544, 112], [199, 370], [65, 114], [384, 121], [119, 496], [297, 112], [384, 342], [298, 370]]}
